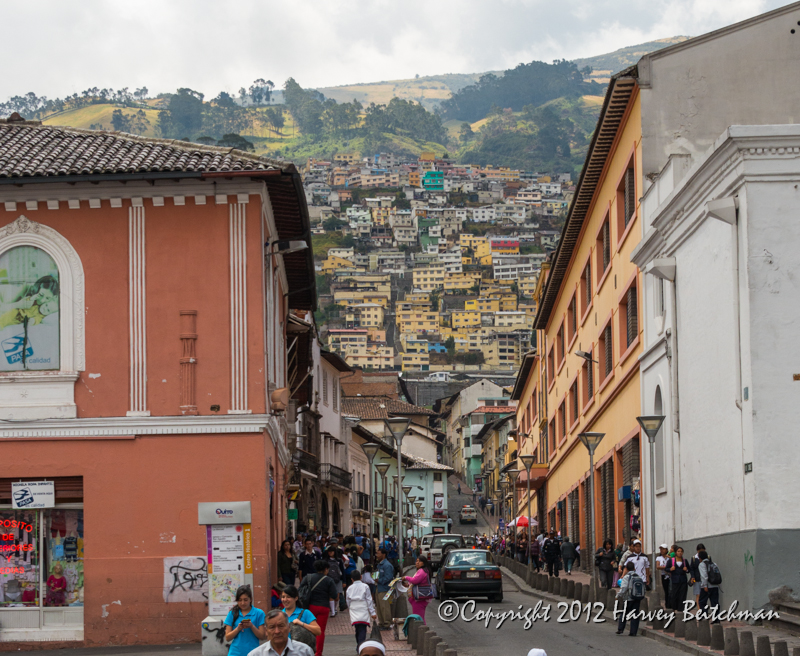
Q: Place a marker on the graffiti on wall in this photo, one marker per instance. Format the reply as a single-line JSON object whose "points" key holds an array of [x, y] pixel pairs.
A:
{"points": [[185, 579]]}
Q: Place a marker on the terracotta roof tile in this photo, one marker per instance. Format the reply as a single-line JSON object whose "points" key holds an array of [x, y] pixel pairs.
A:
{"points": [[29, 149], [379, 408]]}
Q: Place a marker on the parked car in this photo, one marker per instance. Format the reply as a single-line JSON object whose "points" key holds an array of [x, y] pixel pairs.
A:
{"points": [[441, 545], [425, 545], [470, 573], [467, 515], [470, 542]]}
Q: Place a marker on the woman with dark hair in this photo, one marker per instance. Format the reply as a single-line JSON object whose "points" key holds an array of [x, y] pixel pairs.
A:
{"points": [[303, 625], [604, 560], [422, 590], [678, 570], [245, 624], [286, 566]]}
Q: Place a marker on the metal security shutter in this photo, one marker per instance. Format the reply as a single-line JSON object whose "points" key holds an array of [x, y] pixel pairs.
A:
{"points": [[633, 317], [606, 245], [562, 511], [589, 377], [574, 310], [541, 507], [586, 563], [574, 517], [69, 489], [630, 196], [607, 498], [609, 351]]}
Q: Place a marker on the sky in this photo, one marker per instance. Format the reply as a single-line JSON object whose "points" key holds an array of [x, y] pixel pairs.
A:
{"points": [[59, 47]]}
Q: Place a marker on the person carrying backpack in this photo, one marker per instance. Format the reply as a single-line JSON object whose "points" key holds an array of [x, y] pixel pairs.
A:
{"points": [[678, 570], [315, 594], [631, 591], [335, 573], [710, 579]]}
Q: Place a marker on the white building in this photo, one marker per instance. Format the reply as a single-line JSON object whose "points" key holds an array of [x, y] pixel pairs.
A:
{"points": [[719, 250], [511, 267], [484, 214]]}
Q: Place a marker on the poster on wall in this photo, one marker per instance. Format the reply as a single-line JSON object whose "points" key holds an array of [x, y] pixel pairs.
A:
{"points": [[230, 561], [29, 310], [438, 504], [33, 494]]}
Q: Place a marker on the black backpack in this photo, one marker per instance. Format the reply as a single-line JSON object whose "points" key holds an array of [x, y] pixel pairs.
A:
{"points": [[304, 593], [637, 587], [714, 575]]}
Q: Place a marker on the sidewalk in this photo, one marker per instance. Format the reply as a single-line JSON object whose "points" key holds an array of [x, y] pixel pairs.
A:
{"points": [[665, 637]]}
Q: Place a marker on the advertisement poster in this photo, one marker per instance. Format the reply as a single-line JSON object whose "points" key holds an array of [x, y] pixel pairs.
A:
{"points": [[226, 564], [438, 504], [33, 494], [29, 310]]}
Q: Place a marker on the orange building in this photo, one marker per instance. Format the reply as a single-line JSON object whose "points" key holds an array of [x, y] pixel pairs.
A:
{"points": [[143, 312]]}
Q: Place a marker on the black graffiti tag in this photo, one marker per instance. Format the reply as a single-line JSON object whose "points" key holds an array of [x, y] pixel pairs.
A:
{"points": [[188, 577]]}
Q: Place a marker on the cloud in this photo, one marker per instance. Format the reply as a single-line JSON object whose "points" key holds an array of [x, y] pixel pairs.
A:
{"points": [[56, 48]]}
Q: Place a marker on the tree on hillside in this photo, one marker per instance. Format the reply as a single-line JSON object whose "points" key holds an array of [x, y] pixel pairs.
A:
{"points": [[184, 114], [465, 133], [235, 141], [275, 119], [261, 91], [225, 100]]}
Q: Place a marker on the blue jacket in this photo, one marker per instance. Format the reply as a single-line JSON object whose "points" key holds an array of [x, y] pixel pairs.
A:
{"points": [[385, 575]]}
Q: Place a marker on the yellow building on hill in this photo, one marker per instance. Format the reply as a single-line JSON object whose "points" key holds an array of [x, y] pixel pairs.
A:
{"points": [[332, 263]]}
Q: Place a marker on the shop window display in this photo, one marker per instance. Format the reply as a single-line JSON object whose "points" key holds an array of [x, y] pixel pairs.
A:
{"points": [[52, 539]]}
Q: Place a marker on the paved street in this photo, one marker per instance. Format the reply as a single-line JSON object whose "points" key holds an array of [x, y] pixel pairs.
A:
{"points": [[557, 639]]}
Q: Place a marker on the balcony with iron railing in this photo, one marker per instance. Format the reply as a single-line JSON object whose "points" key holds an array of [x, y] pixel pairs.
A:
{"points": [[391, 505], [334, 475], [308, 461], [360, 501], [378, 501]]}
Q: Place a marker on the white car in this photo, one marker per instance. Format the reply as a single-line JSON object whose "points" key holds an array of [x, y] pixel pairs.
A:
{"points": [[468, 515]]}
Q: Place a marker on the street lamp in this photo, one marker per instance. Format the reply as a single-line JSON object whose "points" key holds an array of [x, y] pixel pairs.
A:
{"points": [[382, 468], [590, 441], [406, 490], [527, 462], [370, 450], [651, 425], [411, 501], [503, 489], [419, 505], [397, 427]]}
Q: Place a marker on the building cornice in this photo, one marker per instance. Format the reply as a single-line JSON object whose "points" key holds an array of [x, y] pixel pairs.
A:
{"points": [[135, 426], [741, 153]]}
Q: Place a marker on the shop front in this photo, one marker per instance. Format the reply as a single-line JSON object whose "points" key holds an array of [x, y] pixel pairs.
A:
{"points": [[41, 560]]}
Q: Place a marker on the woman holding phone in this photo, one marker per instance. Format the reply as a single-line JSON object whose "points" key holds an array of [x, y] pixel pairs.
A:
{"points": [[245, 625]]}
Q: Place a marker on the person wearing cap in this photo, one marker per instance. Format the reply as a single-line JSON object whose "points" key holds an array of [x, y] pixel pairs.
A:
{"points": [[640, 562], [661, 564], [373, 648]]}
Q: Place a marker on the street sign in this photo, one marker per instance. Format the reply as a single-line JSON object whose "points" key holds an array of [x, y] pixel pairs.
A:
{"points": [[291, 514], [501, 524]]}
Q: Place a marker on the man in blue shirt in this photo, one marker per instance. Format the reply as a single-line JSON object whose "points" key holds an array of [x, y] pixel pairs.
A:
{"points": [[385, 574]]}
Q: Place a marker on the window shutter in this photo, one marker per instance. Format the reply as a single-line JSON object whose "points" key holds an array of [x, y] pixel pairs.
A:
{"points": [[609, 351], [630, 196], [606, 245], [587, 525], [574, 316], [633, 320], [589, 378], [588, 288]]}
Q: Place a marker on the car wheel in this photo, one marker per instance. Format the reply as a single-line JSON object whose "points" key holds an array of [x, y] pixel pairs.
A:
{"points": [[496, 598]]}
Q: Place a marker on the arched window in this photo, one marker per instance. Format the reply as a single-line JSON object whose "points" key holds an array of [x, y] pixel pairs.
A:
{"points": [[42, 314], [29, 311]]}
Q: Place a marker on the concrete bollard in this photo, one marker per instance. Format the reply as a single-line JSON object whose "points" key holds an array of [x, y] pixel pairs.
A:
{"points": [[611, 596], [644, 607], [718, 638], [671, 627], [563, 587], [658, 624], [795, 651], [731, 642], [691, 631], [431, 650], [703, 633], [412, 630], [780, 648], [746, 645], [450, 652], [578, 591], [762, 646], [426, 644], [440, 648], [550, 583], [419, 640], [680, 628], [570, 589], [542, 582], [585, 594]]}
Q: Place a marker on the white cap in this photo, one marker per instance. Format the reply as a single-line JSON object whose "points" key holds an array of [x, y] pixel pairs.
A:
{"points": [[537, 652], [375, 643], [664, 546], [637, 541]]}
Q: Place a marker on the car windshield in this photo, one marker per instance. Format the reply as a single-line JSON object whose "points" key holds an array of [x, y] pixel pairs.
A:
{"points": [[441, 541], [469, 559]]}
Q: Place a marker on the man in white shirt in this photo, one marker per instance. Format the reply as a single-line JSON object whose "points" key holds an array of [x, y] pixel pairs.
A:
{"points": [[661, 564], [279, 643], [640, 562]]}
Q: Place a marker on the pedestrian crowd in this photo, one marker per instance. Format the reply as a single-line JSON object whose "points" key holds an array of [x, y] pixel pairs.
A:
{"points": [[321, 575]]}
